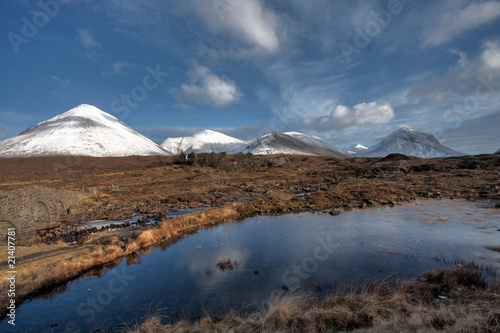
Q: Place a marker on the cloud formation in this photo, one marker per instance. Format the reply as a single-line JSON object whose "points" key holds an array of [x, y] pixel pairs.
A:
{"points": [[373, 113], [489, 60], [207, 88], [117, 68], [479, 76], [462, 61], [455, 23], [248, 20], [64, 82], [87, 40]]}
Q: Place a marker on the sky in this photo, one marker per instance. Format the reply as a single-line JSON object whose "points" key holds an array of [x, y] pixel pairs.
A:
{"points": [[348, 71]]}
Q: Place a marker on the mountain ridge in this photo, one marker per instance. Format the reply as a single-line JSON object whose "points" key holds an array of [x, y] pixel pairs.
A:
{"points": [[206, 141], [291, 143], [88, 131], [83, 130], [410, 142], [354, 148]]}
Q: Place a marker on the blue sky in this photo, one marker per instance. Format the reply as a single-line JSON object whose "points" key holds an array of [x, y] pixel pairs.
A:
{"points": [[347, 71]]}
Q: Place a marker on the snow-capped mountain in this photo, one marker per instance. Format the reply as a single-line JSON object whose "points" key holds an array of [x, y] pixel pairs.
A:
{"points": [[291, 143], [412, 143], [354, 149], [498, 151], [203, 142], [84, 130]]}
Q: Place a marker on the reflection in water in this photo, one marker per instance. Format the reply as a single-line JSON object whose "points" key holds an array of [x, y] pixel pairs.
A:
{"points": [[305, 251], [133, 259]]}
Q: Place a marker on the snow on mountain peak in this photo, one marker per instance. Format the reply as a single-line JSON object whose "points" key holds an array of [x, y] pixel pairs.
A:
{"points": [[291, 143], [206, 141], [410, 142], [406, 129], [298, 134], [354, 149], [84, 130], [85, 111]]}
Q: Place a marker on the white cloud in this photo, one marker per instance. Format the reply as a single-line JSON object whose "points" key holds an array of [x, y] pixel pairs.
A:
{"points": [[64, 82], [207, 88], [463, 61], [87, 40], [452, 24], [117, 68], [373, 113], [248, 20], [466, 79], [489, 60]]}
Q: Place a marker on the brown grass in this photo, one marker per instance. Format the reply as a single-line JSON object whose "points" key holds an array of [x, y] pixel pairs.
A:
{"points": [[227, 264], [410, 306], [33, 278], [493, 248], [154, 186]]}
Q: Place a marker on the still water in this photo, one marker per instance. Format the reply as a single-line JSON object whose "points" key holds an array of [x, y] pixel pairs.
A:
{"points": [[305, 251]]}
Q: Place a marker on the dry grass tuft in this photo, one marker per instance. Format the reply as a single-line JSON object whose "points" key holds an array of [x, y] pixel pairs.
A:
{"points": [[410, 306], [494, 248], [147, 238], [227, 264]]}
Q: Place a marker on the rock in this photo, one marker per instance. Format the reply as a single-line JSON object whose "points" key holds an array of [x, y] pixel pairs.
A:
{"points": [[368, 202]]}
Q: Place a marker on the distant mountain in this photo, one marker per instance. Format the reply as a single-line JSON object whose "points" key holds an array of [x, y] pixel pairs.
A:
{"points": [[291, 143], [354, 149], [498, 151], [412, 143], [84, 130], [203, 142]]}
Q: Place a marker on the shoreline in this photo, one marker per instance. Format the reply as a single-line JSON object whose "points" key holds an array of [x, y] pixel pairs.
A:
{"points": [[453, 299], [168, 231], [332, 184]]}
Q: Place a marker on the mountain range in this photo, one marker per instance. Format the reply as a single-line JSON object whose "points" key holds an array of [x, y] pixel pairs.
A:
{"points": [[87, 131]]}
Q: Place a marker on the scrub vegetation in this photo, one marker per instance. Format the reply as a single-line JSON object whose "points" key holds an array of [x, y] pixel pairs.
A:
{"points": [[256, 185], [453, 300]]}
